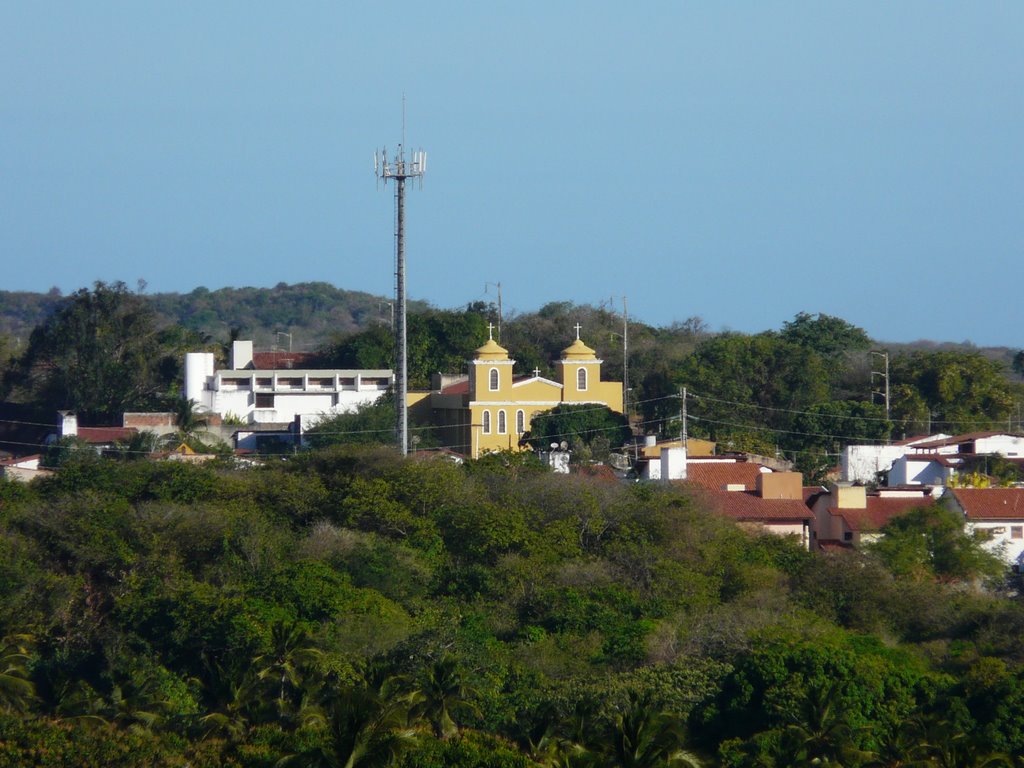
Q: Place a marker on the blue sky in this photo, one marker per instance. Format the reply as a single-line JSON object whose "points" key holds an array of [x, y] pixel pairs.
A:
{"points": [[738, 161]]}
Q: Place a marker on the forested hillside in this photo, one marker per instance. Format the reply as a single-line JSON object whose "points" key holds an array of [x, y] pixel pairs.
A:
{"points": [[310, 312], [414, 612]]}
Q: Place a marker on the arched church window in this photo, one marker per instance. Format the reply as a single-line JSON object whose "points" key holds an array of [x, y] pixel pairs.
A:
{"points": [[581, 379]]}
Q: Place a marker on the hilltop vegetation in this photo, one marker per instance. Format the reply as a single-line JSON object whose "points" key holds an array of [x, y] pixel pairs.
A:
{"points": [[414, 612]]}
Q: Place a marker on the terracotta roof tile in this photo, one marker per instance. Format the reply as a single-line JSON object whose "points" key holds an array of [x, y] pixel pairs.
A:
{"points": [[746, 505], [105, 434], [269, 361], [714, 476], [879, 511], [991, 503]]}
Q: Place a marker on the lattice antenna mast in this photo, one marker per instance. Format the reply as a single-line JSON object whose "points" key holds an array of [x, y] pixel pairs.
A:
{"points": [[399, 168]]}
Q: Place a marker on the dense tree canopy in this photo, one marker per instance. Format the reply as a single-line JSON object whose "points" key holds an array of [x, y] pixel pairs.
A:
{"points": [[350, 604], [101, 353]]}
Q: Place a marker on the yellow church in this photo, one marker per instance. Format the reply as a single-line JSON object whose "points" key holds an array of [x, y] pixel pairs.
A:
{"points": [[490, 408]]}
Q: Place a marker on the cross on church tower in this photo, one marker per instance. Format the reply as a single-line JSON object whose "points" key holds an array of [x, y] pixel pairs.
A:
{"points": [[490, 331], [536, 373], [578, 327]]}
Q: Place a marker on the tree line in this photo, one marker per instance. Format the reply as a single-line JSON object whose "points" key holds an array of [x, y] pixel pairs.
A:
{"points": [[346, 606]]}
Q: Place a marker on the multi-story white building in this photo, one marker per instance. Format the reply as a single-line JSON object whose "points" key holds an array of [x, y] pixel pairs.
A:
{"points": [[269, 388]]}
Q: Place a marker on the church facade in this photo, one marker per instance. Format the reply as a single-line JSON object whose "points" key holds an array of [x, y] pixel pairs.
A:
{"points": [[491, 408]]}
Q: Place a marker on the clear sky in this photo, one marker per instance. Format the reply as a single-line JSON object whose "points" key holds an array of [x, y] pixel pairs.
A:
{"points": [[739, 161]]}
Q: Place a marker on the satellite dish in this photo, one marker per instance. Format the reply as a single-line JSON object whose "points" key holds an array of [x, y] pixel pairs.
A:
{"points": [[563, 445]]}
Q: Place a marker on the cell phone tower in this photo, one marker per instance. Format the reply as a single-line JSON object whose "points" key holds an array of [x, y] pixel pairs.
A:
{"points": [[399, 168]]}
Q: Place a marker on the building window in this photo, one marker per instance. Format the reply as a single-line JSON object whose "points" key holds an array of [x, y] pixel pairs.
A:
{"points": [[520, 422], [502, 426], [581, 379], [1017, 531], [264, 400], [487, 422], [493, 380]]}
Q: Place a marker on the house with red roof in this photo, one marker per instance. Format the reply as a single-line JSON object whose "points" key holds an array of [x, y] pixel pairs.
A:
{"points": [[775, 505], [850, 515], [997, 513]]}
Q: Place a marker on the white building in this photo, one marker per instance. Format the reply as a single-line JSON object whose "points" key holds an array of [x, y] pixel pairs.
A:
{"points": [[864, 463], [998, 514], [277, 395], [930, 460]]}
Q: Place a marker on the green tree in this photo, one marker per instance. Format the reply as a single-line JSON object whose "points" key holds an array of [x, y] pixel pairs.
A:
{"points": [[831, 337], [949, 391], [586, 427], [442, 693], [17, 692], [1018, 363], [364, 726], [930, 542], [98, 354], [369, 423]]}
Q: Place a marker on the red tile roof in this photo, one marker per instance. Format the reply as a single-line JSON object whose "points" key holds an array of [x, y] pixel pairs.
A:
{"points": [[714, 476], [462, 388], [268, 361], [597, 471], [991, 503], [879, 511], [99, 435], [748, 506]]}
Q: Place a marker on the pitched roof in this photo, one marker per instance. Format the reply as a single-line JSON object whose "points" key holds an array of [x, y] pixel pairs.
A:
{"points": [[879, 511], [459, 388], [715, 475], [991, 503], [748, 506], [99, 435]]}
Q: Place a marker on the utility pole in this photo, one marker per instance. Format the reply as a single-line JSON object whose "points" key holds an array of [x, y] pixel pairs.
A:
{"points": [[683, 436], [885, 376], [399, 169]]}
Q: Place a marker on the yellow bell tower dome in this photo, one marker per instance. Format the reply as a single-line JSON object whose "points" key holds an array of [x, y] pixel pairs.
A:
{"points": [[490, 370], [579, 372]]}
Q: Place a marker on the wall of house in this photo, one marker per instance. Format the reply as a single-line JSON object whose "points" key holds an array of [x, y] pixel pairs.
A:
{"points": [[1007, 445], [1003, 537], [862, 463], [909, 470]]}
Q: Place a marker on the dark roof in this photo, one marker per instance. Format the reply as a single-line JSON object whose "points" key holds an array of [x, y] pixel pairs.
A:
{"points": [[101, 435], [991, 503]]}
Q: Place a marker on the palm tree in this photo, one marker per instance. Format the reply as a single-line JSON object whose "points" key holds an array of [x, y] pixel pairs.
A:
{"points": [[819, 734], [366, 727], [902, 746], [284, 667], [17, 692], [644, 736], [188, 417], [442, 695]]}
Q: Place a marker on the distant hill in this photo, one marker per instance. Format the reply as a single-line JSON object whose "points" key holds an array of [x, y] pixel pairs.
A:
{"points": [[311, 312]]}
